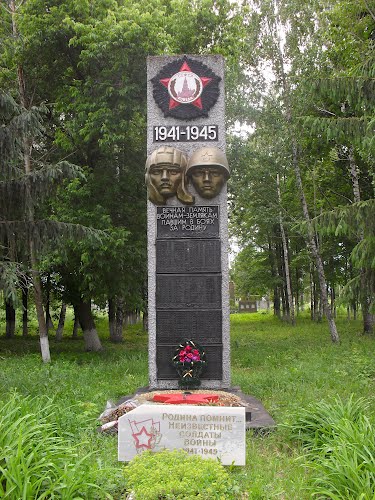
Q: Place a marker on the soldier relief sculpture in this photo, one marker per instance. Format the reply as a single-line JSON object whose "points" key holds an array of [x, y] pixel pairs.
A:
{"points": [[208, 171], [168, 172], [165, 176]]}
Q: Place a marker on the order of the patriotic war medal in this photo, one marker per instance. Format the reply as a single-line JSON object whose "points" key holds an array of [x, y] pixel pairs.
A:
{"points": [[186, 89]]}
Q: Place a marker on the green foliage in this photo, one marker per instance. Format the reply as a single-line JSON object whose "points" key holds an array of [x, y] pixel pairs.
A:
{"points": [[318, 102], [176, 475], [251, 273], [22, 192], [11, 273], [87, 62], [36, 460], [356, 221], [339, 441]]}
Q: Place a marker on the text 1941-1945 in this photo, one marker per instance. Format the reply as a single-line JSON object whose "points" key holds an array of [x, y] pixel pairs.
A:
{"points": [[186, 133]]}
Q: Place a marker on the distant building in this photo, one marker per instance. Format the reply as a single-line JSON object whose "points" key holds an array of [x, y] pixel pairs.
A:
{"points": [[247, 306]]}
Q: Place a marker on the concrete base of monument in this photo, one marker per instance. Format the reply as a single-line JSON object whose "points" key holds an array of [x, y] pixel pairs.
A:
{"points": [[257, 417]]}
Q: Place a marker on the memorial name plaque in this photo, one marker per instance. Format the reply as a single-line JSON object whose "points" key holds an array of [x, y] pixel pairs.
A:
{"points": [[188, 256], [211, 432], [188, 222], [204, 326], [176, 291]]}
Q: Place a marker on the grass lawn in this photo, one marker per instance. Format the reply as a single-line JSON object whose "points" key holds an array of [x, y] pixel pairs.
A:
{"points": [[286, 368]]}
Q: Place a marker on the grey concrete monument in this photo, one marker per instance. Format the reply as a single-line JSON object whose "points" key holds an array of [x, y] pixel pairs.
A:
{"points": [[186, 175]]}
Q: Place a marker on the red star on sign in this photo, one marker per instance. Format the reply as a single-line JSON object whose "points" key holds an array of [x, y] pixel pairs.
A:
{"points": [[142, 439], [173, 103], [185, 399]]}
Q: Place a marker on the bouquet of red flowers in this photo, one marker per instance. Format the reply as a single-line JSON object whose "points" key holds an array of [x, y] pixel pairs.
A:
{"points": [[189, 361]]}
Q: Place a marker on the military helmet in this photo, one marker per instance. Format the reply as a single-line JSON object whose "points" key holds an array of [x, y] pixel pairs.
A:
{"points": [[208, 157], [166, 155]]}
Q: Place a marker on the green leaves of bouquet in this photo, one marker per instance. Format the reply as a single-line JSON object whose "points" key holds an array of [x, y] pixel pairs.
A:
{"points": [[189, 360]]}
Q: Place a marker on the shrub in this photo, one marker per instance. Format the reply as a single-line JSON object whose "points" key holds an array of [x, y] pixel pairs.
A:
{"points": [[339, 441], [35, 461], [176, 475]]}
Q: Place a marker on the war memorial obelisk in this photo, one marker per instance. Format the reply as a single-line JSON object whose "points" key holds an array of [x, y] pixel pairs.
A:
{"points": [[186, 176]]}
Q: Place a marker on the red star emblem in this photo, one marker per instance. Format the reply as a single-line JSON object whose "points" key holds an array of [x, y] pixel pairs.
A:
{"points": [[173, 103], [143, 439]]}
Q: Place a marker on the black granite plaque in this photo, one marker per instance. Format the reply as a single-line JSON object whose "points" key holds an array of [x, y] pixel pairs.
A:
{"points": [[173, 327], [165, 369], [188, 256], [188, 222], [179, 291]]}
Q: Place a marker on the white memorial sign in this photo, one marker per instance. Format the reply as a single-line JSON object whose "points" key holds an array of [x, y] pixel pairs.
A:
{"points": [[209, 431]]}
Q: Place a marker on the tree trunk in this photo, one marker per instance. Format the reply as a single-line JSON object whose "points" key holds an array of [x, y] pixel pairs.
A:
{"points": [[27, 147], [271, 259], [25, 297], [76, 324], [333, 301], [297, 295], [366, 292], [90, 335], [60, 326], [354, 310], [320, 308], [289, 295], [43, 333], [284, 303], [313, 245], [281, 277], [353, 169], [312, 294], [10, 319], [49, 322], [366, 302], [276, 302], [112, 318], [368, 321], [145, 321], [119, 321]]}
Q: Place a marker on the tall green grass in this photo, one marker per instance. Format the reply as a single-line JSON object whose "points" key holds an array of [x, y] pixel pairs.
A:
{"points": [[339, 441], [36, 460]]}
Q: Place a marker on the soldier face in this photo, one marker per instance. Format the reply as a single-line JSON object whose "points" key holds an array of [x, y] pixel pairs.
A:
{"points": [[207, 181], [166, 179]]}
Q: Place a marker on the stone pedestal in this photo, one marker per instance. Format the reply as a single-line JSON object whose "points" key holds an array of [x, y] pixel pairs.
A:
{"points": [[188, 295]]}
